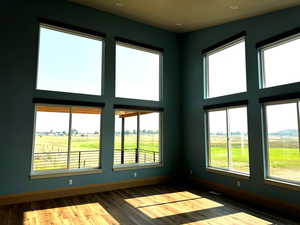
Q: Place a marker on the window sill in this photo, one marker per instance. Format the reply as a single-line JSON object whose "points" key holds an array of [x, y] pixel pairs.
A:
{"points": [[229, 173], [50, 174], [283, 184], [136, 166]]}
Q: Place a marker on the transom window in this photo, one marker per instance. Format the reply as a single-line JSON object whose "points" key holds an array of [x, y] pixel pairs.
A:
{"points": [[137, 72], [228, 139], [69, 61], [280, 62], [66, 138], [225, 69], [137, 137], [282, 132]]}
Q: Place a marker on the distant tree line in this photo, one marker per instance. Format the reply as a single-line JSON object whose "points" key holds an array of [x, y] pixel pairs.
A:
{"points": [[129, 132]]}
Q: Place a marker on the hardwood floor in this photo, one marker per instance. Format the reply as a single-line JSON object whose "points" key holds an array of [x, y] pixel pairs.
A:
{"points": [[159, 204]]}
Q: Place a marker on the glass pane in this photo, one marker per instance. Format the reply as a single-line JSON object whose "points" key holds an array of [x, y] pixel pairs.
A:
{"points": [[283, 142], [129, 119], [238, 127], [218, 139], [137, 74], [227, 71], [85, 140], [130, 139], [51, 138], [69, 63], [281, 64], [118, 137], [149, 138]]}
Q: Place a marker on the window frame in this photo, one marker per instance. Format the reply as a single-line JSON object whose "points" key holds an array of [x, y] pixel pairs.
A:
{"points": [[121, 167], [77, 31], [65, 172], [226, 171], [144, 48], [267, 176], [205, 58], [261, 59]]}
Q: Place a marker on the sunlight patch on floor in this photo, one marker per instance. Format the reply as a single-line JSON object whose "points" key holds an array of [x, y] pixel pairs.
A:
{"points": [[92, 213], [172, 204], [240, 218]]}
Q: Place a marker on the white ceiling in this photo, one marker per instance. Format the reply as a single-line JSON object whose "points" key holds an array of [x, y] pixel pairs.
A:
{"points": [[187, 15]]}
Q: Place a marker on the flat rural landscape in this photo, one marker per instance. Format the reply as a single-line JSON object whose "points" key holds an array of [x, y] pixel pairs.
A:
{"points": [[51, 151], [284, 155]]}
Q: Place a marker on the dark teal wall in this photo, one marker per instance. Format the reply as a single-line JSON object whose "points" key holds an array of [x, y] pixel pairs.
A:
{"points": [[183, 131], [18, 65], [258, 29]]}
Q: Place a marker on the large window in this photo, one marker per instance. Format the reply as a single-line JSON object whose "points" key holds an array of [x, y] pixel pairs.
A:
{"points": [[280, 62], [69, 61], [228, 139], [225, 69], [283, 153], [137, 72], [137, 137], [66, 138]]}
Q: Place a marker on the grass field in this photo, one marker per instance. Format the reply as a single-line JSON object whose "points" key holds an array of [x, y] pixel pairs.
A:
{"points": [[86, 148], [284, 156]]}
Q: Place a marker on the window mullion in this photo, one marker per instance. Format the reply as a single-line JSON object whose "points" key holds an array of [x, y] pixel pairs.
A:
{"points": [[229, 154], [69, 138], [298, 120]]}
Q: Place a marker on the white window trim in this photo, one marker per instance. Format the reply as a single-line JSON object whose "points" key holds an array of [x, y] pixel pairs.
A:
{"points": [[268, 178], [68, 171], [261, 59], [206, 67], [225, 171]]}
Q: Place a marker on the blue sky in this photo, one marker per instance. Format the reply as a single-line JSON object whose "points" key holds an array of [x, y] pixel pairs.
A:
{"points": [[72, 63]]}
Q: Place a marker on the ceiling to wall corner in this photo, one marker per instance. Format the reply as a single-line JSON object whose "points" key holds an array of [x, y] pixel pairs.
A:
{"points": [[187, 15]]}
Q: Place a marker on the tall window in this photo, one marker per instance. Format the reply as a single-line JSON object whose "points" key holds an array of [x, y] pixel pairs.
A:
{"points": [[137, 72], [69, 61], [283, 152], [66, 138], [225, 69], [280, 62], [228, 139], [137, 137]]}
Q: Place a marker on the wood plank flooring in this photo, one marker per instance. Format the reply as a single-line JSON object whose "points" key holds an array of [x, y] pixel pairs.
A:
{"points": [[158, 204]]}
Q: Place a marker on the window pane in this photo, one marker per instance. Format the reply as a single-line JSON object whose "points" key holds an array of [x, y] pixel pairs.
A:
{"points": [[85, 140], [69, 63], [218, 139], [283, 142], [51, 138], [141, 139], [281, 63], [239, 157], [227, 71], [149, 138], [137, 73]]}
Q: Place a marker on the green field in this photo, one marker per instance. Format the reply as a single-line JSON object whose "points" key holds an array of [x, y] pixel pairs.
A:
{"points": [[284, 156], [51, 151]]}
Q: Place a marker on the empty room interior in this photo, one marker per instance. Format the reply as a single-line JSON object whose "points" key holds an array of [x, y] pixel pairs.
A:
{"points": [[138, 112]]}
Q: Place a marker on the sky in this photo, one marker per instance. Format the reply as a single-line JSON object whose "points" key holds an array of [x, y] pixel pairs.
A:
{"points": [[227, 70], [71, 63]]}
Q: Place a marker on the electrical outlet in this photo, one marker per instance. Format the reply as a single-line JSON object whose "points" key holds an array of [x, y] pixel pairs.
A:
{"points": [[134, 174], [238, 183], [70, 182]]}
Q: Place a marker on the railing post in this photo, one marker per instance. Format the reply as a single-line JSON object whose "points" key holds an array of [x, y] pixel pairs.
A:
{"points": [[122, 140], [153, 156], [137, 139], [79, 159]]}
